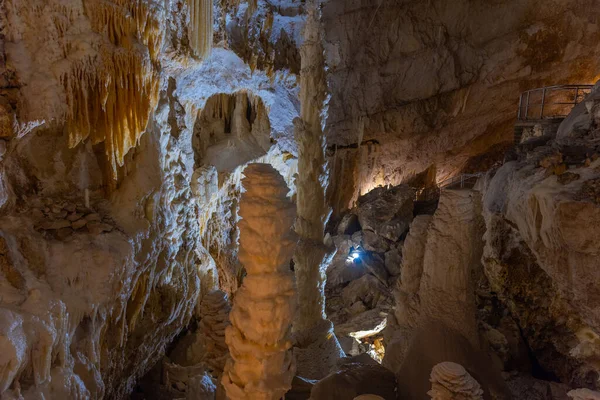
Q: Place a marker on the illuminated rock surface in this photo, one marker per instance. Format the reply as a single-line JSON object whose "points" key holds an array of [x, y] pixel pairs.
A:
{"points": [[125, 128], [261, 364]]}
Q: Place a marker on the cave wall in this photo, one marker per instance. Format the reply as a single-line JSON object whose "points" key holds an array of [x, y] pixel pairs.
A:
{"points": [[111, 231], [437, 82]]}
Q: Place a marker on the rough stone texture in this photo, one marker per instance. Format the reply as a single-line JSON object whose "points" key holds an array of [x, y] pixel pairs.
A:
{"points": [[535, 221], [97, 293], [436, 82], [261, 365], [369, 261], [316, 347], [435, 319], [386, 211], [355, 379], [450, 381], [584, 394]]}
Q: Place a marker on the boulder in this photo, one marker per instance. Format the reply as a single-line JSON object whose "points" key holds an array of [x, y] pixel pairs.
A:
{"points": [[301, 388], [356, 379], [387, 212], [372, 241], [375, 265], [348, 225], [393, 261], [343, 271], [368, 289], [363, 325]]}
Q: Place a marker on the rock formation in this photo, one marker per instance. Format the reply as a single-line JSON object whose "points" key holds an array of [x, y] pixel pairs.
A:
{"points": [[261, 364], [584, 394], [541, 213], [317, 346], [421, 78], [209, 347], [125, 130], [366, 266], [450, 381], [355, 379], [436, 308]]}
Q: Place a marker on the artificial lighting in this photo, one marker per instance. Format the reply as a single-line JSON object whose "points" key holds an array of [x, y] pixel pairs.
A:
{"points": [[353, 256]]}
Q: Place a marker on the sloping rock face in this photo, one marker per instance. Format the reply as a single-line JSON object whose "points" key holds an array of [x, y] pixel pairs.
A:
{"points": [[540, 257], [422, 83]]}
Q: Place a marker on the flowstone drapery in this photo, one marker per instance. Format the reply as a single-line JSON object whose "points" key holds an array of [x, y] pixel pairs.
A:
{"points": [[262, 366]]}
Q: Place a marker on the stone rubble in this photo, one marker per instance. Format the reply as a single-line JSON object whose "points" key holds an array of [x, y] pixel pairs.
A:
{"points": [[60, 218], [367, 265]]}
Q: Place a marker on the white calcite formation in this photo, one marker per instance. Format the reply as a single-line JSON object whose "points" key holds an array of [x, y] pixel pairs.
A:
{"points": [[450, 381], [317, 347], [93, 295], [261, 364]]}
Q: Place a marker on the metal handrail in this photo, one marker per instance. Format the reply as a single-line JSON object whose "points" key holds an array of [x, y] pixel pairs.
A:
{"points": [[525, 101], [433, 192]]}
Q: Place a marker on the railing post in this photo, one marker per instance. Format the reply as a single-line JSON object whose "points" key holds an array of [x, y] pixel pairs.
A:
{"points": [[527, 105], [520, 105], [543, 100], [576, 95]]}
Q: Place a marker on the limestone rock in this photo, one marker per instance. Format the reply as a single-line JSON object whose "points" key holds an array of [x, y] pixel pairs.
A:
{"points": [[393, 261], [375, 265], [7, 118], [55, 225], [356, 379], [209, 347], [365, 324], [450, 381], [348, 225], [372, 241], [584, 394], [367, 289], [386, 212], [96, 228], [261, 365]]}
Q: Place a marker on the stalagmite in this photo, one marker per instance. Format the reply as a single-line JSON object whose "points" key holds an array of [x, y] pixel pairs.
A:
{"points": [[210, 347], [450, 381], [261, 364], [201, 26], [317, 347]]}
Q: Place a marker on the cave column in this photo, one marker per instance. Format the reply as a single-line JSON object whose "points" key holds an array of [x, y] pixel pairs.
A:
{"points": [[317, 348], [261, 365]]}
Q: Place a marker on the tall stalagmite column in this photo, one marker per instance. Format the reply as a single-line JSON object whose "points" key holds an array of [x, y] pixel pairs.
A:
{"points": [[317, 347], [261, 366]]}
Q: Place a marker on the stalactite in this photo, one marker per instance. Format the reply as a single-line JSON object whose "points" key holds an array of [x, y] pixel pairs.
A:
{"points": [[110, 95], [261, 366], [201, 26]]}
